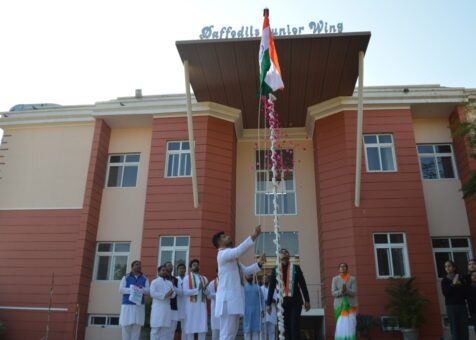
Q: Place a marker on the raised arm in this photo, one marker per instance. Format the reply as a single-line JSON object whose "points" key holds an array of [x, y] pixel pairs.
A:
{"points": [[232, 254]]}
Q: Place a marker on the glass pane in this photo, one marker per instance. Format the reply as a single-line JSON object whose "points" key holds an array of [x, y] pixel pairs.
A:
{"points": [[290, 241], [459, 243], [440, 259], [261, 181], [130, 176], [443, 148], [461, 260], [287, 159], [173, 146], [289, 203], [116, 159], [396, 238], [440, 243], [165, 256], [288, 180], [185, 145], [98, 320], [188, 166], [428, 167], [170, 164], [397, 262], [132, 158], [445, 167], [120, 267], [385, 139], [181, 241], [373, 159], [387, 159], [382, 262], [114, 320], [425, 148], [122, 247], [260, 201], [175, 165], [167, 241], [183, 164], [104, 247], [180, 257], [370, 139], [115, 174], [103, 268], [380, 238]]}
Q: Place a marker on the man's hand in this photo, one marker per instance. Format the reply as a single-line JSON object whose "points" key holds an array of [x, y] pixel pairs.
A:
{"points": [[307, 306], [262, 260], [169, 293], [344, 289], [270, 309], [256, 233]]}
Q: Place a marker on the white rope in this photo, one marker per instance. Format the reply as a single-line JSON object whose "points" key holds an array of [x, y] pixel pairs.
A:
{"points": [[279, 282]]}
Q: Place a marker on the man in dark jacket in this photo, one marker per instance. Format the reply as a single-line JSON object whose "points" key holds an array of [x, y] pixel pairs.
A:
{"points": [[294, 288]]}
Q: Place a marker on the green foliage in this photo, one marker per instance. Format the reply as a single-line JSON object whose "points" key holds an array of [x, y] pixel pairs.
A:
{"points": [[467, 130], [148, 309], [365, 323], [406, 303]]}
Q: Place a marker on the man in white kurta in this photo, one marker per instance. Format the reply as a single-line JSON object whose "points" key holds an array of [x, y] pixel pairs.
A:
{"points": [[132, 315], [214, 321], [195, 303], [161, 291], [180, 297], [230, 295]]}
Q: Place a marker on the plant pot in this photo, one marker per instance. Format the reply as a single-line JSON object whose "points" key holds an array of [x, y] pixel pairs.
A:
{"points": [[409, 333]]}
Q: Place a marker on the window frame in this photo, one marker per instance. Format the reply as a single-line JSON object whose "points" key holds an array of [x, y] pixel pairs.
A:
{"points": [[262, 240], [179, 153], [285, 191], [174, 248], [389, 246], [379, 145], [451, 249], [122, 165], [112, 253], [108, 320], [434, 155]]}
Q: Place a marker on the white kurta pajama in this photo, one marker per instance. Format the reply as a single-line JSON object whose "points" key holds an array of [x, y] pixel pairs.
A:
{"points": [[132, 317], [230, 297], [195, 306], [268, 329], [214, 321], [160, 316]]}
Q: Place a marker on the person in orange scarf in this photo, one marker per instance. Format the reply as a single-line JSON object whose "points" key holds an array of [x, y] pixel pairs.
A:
{"points": [[344, 290]]}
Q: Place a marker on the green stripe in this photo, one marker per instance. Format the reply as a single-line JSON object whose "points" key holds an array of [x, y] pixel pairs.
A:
{"points": [[345, 337], [265, 65], [344, 306]]}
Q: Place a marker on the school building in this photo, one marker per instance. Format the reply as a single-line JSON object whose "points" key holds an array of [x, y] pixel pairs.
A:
{"points": [[85, 190]]}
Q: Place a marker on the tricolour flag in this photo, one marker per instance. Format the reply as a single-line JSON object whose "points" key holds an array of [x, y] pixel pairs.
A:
{"points": [[270, 72]]}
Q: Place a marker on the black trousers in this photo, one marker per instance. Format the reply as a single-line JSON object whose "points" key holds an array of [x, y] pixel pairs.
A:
{"points": [[458, 317], [292, 319]]}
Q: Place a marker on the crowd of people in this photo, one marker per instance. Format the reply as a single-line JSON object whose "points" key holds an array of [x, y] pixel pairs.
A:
{"points": [[460, 298], [234, 294]]}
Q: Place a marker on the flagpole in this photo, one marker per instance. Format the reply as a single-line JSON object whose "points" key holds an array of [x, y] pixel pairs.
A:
{"points": [[360, 118], [191, 138]]}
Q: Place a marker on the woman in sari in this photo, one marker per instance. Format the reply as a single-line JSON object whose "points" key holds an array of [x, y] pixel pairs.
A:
{"points": [[345, 304]]}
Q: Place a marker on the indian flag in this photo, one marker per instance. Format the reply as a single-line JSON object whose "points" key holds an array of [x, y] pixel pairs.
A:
{"points": [[270, 72]]}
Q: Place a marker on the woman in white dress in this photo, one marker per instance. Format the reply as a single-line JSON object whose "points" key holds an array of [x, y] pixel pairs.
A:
{"points": [[161, 291]]}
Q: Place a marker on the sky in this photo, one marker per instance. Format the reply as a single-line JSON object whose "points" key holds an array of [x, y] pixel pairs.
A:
{"points": [[80, 52]]}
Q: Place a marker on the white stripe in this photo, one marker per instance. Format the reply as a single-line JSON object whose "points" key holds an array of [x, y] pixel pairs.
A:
{"points": [[43, 309], [273, 78], [264, 44]]}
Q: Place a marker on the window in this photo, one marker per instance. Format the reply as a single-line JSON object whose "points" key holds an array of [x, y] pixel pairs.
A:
{"points": [[174, 249], [456, 249], [104, 320], [286, 196], [178, 159], [380, 153], [436, 161], [111, 260], [391, 255], [122, 170], [265, 243]]}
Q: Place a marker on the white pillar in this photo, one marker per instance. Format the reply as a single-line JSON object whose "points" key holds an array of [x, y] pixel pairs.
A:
{"points": [[360, 118]]}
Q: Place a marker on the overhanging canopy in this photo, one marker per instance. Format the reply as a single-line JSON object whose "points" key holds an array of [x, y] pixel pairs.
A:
{"points": [[315, 68]]}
